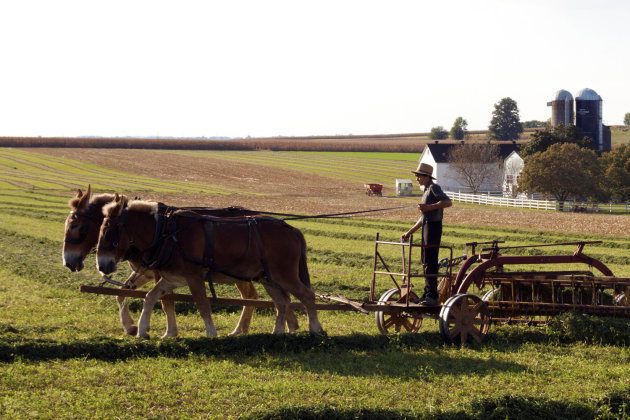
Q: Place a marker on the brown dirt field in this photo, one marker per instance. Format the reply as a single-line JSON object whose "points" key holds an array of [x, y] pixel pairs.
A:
{"points": [[287, 191]]}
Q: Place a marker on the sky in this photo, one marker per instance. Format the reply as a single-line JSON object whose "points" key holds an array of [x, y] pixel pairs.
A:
{"points": [[300, 68]]}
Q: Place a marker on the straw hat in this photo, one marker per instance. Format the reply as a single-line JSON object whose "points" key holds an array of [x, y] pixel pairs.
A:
{"points": [[424, 169]]}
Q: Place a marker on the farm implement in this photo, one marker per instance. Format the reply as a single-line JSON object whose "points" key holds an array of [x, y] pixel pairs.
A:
{"points": [[373, 189], [490, 287], [507, 294]]}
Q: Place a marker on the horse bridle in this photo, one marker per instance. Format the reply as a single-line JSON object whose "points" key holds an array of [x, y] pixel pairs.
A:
{"points": [[83, 227], [112, 231]]}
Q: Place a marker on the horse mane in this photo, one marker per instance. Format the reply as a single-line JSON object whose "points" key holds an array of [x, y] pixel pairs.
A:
{"points": [[96, 201], [143, 206], [100, 200]]}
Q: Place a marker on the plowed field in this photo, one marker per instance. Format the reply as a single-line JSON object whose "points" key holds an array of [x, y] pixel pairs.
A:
{"points": [[263, 185]]}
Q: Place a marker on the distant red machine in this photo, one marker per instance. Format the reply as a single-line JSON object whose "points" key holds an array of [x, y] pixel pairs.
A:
{"points": [[373, 189]]}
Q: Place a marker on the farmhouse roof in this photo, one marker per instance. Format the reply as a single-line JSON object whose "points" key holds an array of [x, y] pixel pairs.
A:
{"points": [[440, 151]]}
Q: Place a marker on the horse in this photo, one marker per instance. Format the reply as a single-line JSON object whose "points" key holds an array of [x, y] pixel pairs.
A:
{"points": [[190, 249], [81, 236]]}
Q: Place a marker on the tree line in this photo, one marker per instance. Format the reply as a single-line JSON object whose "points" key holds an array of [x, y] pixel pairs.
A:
{"points": [[505, 124], [561, 163]]}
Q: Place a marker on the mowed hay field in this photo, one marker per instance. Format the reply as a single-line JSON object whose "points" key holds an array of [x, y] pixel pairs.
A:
{"points": [[63, 354]]}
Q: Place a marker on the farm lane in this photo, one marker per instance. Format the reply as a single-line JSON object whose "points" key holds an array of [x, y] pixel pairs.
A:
{"points": [[287, 191]]}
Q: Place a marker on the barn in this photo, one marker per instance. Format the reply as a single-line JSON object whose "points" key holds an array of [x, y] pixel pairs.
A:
{"points": [[436, 155]]}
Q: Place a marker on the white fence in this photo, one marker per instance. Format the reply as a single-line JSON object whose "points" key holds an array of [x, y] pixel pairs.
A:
{"points": [[494, 199]]}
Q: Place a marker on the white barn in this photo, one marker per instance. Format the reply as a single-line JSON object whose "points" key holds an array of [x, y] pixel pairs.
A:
{"points": [[436, 155]]}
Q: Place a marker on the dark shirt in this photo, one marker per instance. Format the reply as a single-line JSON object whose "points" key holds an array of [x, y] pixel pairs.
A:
{"points": [[433, 194]]}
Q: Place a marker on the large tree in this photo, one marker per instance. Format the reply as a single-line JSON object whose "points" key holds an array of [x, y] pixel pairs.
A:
{"points": [[459, 129], [475, 165], [542, 140], [438, 133], [505, 123], [563, 171], [616, 169], [626, 118]]}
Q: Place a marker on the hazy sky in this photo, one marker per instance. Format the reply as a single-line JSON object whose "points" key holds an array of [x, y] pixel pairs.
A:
{"points": [[264, 68]]}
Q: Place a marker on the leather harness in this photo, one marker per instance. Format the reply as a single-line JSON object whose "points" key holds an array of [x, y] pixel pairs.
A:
{"points": [[160, 252]]}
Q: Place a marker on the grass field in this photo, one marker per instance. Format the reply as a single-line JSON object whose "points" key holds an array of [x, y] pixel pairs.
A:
{"points": [[63, 354]]}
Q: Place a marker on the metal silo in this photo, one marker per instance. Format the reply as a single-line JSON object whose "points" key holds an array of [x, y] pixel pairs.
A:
{"points": [[588, 116], [561, 108]]}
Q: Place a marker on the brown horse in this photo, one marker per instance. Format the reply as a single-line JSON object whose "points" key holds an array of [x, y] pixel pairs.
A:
{"points": [[81, 236], [192, 249]]}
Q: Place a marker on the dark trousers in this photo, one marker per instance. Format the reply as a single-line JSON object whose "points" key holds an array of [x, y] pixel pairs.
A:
{"points": [[431, 235]]}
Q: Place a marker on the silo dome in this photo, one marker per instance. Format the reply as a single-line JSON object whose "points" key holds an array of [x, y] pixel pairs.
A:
{"points": [[561, 108], [587, 94], [562, 95]]}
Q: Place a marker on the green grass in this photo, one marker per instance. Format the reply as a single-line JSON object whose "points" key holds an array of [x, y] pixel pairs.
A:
{"points": [[620, 136], [63, 354]]}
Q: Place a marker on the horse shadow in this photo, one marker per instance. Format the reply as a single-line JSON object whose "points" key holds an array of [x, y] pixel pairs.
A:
{"points": [[358, 355]]}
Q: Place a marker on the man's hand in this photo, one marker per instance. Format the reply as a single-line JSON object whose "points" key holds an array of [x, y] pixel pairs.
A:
{"points": [[424, 207]]}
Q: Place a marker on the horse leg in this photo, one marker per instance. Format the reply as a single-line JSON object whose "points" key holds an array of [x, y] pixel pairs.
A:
{"points": [[292, 322], [198, 290], [160, 289], [248, 291], [123, 305], [281, 300], [168, 306], [307, 297]]}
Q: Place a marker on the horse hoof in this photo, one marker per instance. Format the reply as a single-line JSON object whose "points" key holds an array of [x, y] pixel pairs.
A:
{"points": [[132, 331], [147, 336]]}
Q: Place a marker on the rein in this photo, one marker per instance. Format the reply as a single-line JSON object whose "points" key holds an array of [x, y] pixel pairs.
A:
{"points": [[290, 216]]}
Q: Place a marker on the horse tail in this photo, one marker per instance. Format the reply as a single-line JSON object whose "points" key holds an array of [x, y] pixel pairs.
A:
{"points": [[305, 277]]}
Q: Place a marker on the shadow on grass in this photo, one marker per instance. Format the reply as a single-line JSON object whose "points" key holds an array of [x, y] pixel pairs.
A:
{"points": [[353, 355], [495, 407]]}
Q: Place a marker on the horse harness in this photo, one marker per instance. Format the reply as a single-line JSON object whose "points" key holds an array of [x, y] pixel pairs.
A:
{"points": [[88, 216], [160, 253]]}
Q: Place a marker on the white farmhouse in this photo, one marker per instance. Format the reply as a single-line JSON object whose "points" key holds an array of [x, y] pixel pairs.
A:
{"points": [[436, 155]]}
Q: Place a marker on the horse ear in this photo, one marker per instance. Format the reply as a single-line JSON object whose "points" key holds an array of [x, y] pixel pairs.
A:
{"points": [[120, 203], [83, 199]]}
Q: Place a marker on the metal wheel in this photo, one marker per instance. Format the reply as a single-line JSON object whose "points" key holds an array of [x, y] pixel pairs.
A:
{"points": [[395, 321], [462, 317]]}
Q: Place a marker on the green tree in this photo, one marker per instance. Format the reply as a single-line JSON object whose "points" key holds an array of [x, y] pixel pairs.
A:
{"points": [[616, 170], [626, 119], [542, 140], [438, 133], [459, 129], [505, 123], [563, 171]]}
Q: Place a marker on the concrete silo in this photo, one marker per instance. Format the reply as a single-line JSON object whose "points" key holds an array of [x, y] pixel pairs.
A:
{"points": [[588, 116], [561, 108]]}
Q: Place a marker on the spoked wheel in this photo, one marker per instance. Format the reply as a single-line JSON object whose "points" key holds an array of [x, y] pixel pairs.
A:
{"points": [[396, 321], [463, 317]]}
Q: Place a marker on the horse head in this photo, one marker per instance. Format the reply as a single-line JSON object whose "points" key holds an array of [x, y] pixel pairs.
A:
{"points": [[80, 233], [111, 241]]}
